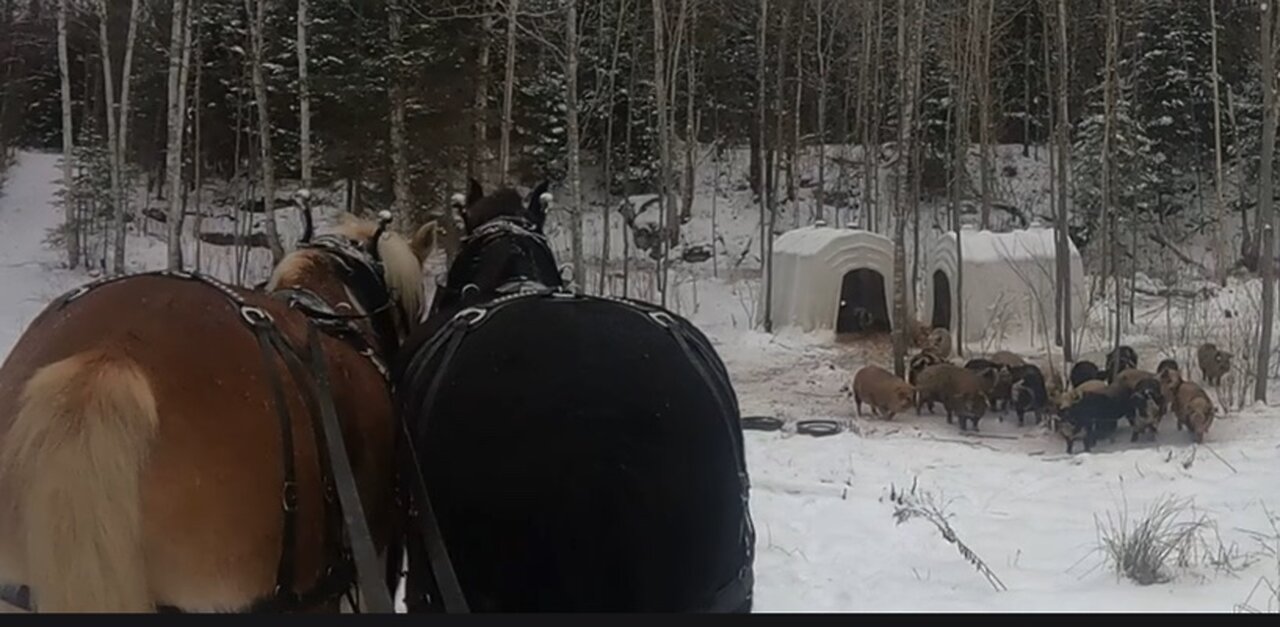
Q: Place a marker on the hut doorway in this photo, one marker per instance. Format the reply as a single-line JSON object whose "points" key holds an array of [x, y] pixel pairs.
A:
{"points": [[863, 308]]}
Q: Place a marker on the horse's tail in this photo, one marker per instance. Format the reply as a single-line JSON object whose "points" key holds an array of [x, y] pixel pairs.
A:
{"points": [[76, 451]]}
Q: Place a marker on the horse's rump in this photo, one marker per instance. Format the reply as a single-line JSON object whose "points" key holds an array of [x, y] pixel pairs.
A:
{"points": [[210, 493], [582, 454]]}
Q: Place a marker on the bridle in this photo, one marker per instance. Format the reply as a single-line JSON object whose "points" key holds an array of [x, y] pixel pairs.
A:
{"points": [[485, 255]]}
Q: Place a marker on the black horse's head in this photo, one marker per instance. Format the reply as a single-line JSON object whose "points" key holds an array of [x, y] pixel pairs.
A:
{"points": [[504, 249]]}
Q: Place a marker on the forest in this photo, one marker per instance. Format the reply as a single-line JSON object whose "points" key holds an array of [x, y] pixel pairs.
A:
{"points": [[1157, 118]]}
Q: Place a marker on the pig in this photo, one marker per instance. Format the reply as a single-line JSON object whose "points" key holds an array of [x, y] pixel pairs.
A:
{"points": [[885, 393], [1148, 408], [1120, 359], [1084, 371], [1008, 359], [1213, 363], [920, 361], [996, 379], [939, 343], [960, 391], [1193, 409], [1094, 415], [1154, 405], [1028, 393]]}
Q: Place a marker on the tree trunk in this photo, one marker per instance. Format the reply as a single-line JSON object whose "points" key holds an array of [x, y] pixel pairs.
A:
{"points": [[907, 106], [403, 203], [611, 94], [1266, 209], [779, 120], [480, 101], [865, 119], [197, 155], [72, 235], [177, 124], [122, 147], [690, 119], [984, 110], [761, 124], [508, 89], [664, 134], [113, 133], [1108, 115], [575, 174], [819, 199], [257, 17], [793, 156], [1064, 161], [1219, 248], [304, 98]]}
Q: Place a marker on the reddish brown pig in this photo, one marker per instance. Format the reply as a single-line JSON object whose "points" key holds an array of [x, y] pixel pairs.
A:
{"points": [[886, 394]]}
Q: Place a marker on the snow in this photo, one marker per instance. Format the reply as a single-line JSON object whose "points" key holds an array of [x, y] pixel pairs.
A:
{"points": [[1031, 244], [827, 538]]}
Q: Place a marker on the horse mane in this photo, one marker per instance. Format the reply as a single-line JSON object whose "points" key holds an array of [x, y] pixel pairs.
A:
{"points": [[401, 268]]}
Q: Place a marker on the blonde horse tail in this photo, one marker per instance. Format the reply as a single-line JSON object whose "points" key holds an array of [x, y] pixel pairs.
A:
{"points": [[77, 449]]}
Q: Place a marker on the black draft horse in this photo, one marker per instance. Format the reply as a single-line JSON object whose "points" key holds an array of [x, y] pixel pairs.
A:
{"points": [[563, 452]]}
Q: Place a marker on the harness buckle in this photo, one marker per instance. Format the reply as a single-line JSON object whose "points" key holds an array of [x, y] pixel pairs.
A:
{"points": [[289, 496], [256, 316], [662, 318], [471, 316]]}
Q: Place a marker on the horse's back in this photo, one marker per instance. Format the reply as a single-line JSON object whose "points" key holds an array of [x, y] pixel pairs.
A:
{"points": [[581, 458]]}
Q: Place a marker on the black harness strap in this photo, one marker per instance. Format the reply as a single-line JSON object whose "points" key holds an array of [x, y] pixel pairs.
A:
{"points": [[264, 332], [366, 556]]}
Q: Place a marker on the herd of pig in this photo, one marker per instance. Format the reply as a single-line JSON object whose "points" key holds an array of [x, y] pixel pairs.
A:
{"points": [[1087, 410]]}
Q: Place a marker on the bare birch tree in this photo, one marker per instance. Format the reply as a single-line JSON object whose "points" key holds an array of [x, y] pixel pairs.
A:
{"points": [[907, 102], [177, 124], [480, 101], [1064, 160], [1108, 124], [257, 10], [403, 202], [660, 97], [690, 117], [1266, 207], [761, 126], [304, 97], [72, 227], [611, 94], [575, 174], [508, 91], [1220, 224]]}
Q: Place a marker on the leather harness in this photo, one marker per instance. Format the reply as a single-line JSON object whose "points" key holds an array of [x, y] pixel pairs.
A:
{"points": [[308, 368]]}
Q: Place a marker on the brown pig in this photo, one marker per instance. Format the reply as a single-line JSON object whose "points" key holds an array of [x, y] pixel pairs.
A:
{"points": [[885, 393]]}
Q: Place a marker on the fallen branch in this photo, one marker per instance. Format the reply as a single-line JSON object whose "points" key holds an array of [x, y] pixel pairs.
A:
{"points": [[1161, 240], [1215, 454], [1202, 293], [912, 504], [255, 240]]}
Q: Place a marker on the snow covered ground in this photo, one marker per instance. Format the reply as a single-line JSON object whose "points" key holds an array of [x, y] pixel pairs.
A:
{"points": [[827, 537]]}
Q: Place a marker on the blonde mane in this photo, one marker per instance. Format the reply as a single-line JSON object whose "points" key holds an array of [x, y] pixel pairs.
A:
{"points": [[401, 268]]}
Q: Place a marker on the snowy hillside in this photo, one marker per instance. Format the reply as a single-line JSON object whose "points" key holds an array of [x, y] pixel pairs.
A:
{"points": [[827, 536]]}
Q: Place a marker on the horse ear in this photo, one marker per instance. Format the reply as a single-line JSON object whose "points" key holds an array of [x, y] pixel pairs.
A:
{"points": [[474, 192], [539, 200], [424, 240]]}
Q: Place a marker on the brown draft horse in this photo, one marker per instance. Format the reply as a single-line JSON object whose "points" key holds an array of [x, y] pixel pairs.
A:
{"points": [[141, 463]]}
